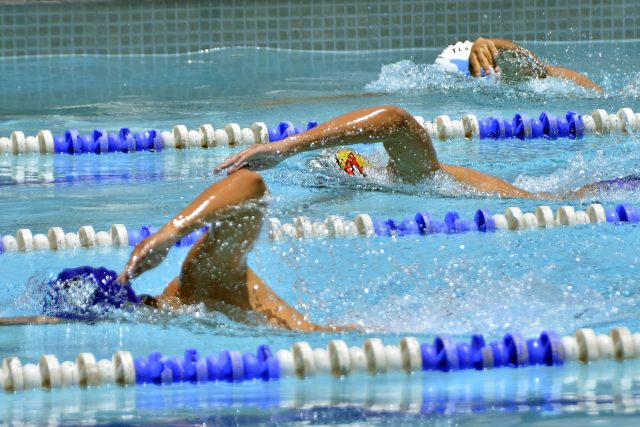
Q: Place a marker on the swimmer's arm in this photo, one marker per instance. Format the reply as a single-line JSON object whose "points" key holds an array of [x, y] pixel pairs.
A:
{"points": [[412, 155], [485, 52], [494, 46], [567, 74], [278, 312], [239, 187], [504, 44], [508, 45], [490, 184], [30, 320]]}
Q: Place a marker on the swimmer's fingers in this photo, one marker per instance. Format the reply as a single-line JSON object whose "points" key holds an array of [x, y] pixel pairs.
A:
{"points": [[245, 158], [123, 277], [257, 157], [139, 262], [487, 61], [143, 261], [492, 55], [126, 275], [493, 49], [231, 163], [474, 65], [479, 61]]}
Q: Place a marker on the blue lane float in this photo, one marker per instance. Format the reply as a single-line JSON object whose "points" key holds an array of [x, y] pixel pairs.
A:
{"points": [[286, 129], [101, 142], [136, 236], [228, 365], [523, 127], [424, 223]]}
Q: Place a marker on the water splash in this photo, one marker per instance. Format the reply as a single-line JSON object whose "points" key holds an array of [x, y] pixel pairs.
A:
{"points": [[616, 162], [463, 284], [632, 88], [408, 77]]}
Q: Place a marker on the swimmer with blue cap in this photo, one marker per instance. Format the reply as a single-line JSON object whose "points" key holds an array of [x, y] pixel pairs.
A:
{"points": [[506, 59], [214, 273]]}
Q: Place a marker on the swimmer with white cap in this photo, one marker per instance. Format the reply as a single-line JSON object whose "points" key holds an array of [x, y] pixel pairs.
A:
{"points": [[487, 56], [484, 57]]}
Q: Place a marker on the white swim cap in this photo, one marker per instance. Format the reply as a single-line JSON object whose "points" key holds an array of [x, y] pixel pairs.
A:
{"points": [[455, 59]]}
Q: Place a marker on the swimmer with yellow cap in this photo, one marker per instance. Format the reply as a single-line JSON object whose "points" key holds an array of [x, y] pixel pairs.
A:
{"points": [[350, 162]]}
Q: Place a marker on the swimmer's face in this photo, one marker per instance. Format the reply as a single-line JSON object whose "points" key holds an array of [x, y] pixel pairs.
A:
{"points": [[517, 67]]}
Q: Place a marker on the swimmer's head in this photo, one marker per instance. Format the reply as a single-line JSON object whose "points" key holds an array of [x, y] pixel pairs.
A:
{"points": [[86, 293], [350, 162], [455, 58]]}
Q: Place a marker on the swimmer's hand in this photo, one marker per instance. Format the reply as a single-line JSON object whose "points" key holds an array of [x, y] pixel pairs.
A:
{"points": [[483, 55], [148, 254], [256, 157]]}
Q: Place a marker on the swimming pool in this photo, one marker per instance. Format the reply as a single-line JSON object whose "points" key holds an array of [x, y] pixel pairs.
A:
{"points": [[457, 284]]}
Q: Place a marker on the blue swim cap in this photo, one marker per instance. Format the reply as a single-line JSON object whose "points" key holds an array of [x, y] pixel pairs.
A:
{"points": [[86, 293]]}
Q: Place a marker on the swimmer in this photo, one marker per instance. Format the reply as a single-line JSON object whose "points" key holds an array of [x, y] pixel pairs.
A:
{"points": [[509, 61], [512, 62], [412, 156], [215, 272]]}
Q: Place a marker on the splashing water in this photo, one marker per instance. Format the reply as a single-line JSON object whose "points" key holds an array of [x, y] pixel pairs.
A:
{"points": [[459, 285], [408, 77], [633, 87]]}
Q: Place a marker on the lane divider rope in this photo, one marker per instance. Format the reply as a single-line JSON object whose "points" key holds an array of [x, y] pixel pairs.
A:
{"points": [[424, 222], [336, 359], [86, 237], [548, 126], [335, 226]]}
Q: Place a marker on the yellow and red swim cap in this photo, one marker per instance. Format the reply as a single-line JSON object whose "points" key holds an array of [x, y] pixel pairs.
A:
{"points": [[350, 161]]}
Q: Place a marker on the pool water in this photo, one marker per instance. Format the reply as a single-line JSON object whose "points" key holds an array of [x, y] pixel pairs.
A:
{"points": [[561, 279]]}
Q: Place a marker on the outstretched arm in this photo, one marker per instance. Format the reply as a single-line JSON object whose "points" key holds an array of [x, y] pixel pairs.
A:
{"points": [[411, 153], [412, 156]]}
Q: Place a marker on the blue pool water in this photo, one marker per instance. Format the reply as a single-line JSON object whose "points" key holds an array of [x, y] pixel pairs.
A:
{"points": [[558, 279]]}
